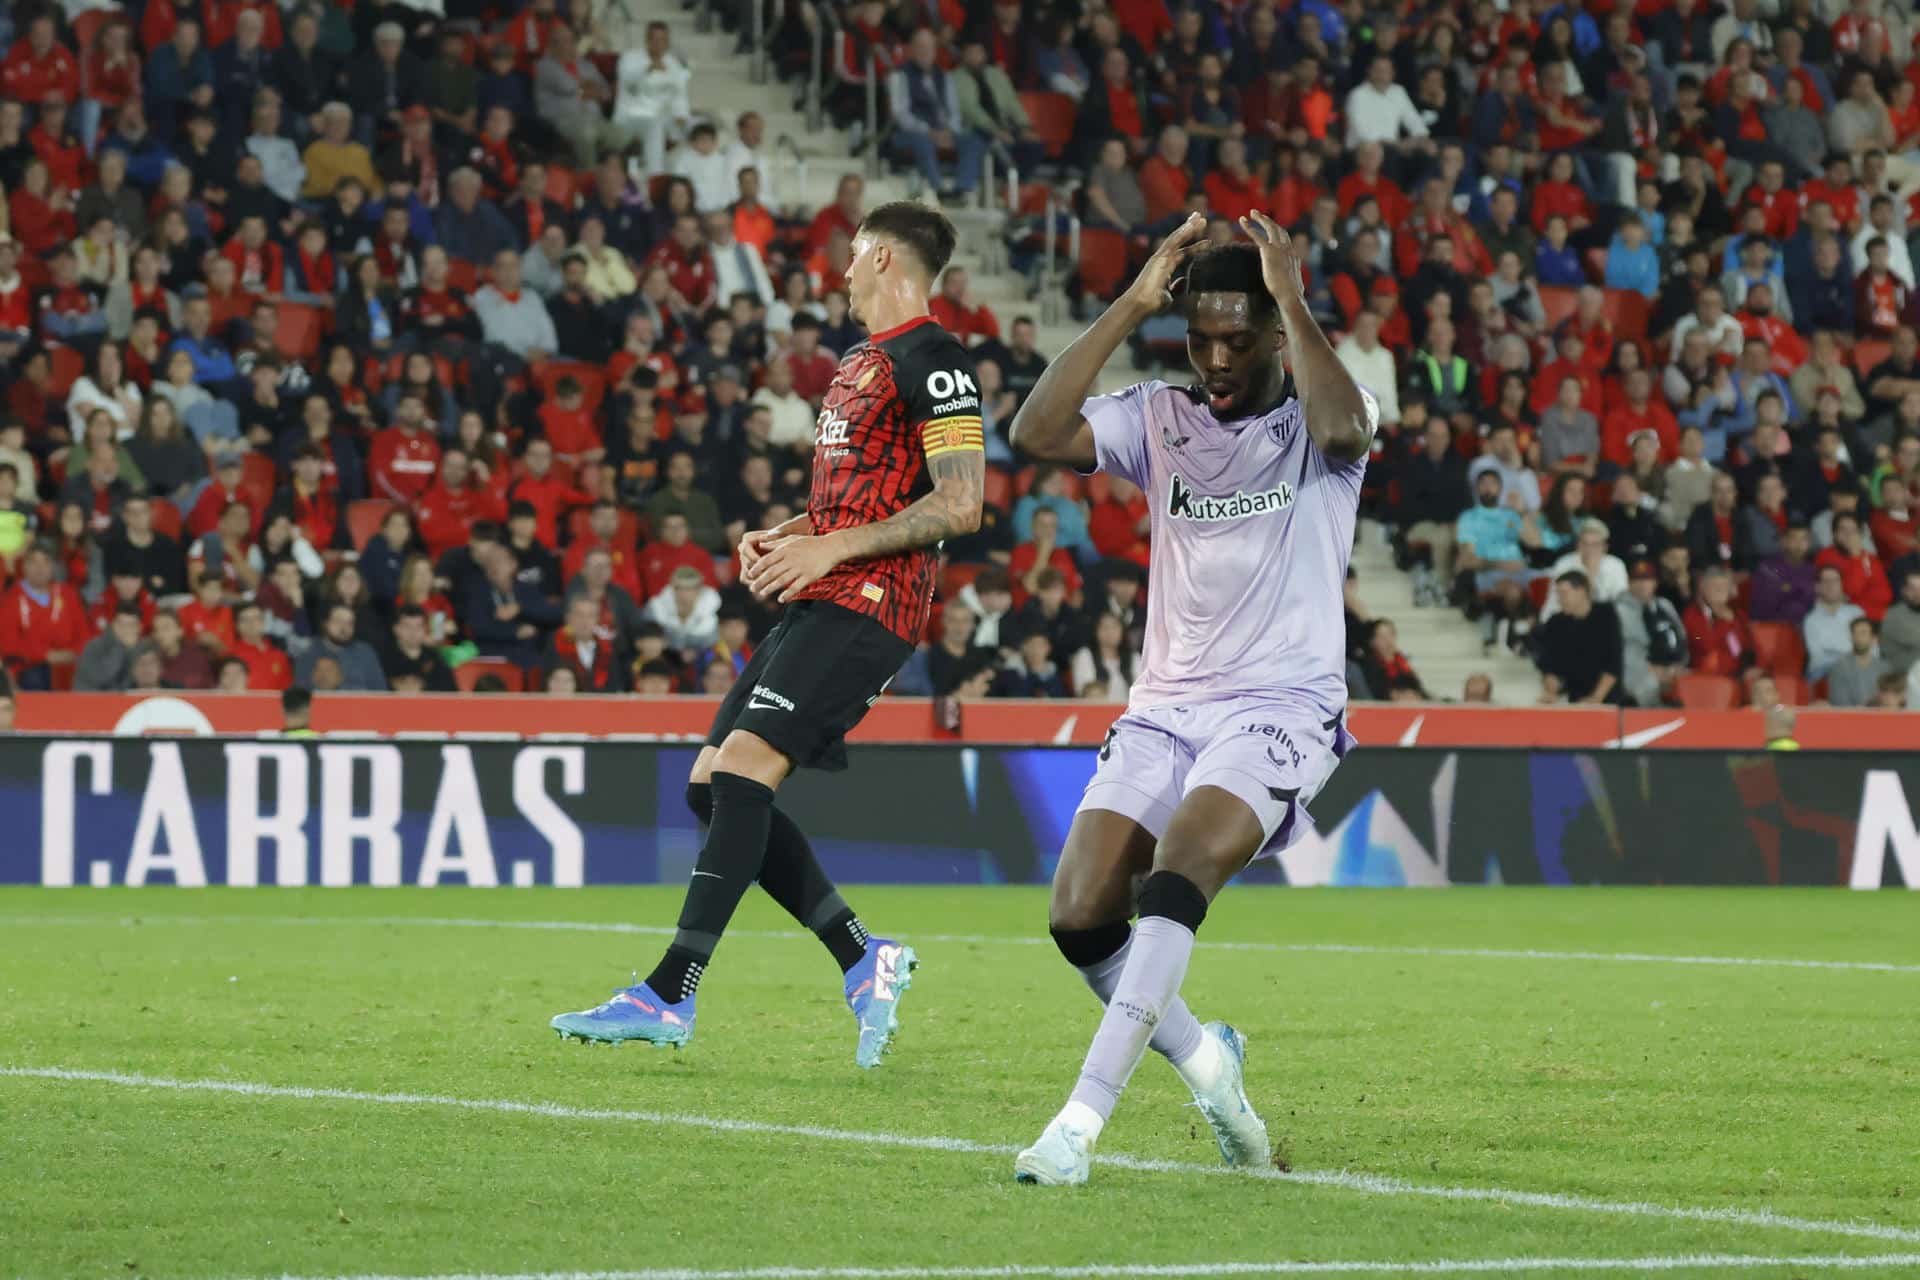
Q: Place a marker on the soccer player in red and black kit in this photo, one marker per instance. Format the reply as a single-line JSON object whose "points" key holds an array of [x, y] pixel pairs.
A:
{"points": [[899, 465]]}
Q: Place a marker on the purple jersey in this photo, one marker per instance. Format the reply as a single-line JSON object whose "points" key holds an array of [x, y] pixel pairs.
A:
{"points": [[1252, 529]]}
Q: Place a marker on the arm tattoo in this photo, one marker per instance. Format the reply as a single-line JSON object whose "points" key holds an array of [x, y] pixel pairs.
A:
{"points": [[959, 482]]}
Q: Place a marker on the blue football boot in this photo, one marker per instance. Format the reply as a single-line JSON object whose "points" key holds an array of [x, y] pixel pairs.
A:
{"points": [[874, 988], [632, 1013]]}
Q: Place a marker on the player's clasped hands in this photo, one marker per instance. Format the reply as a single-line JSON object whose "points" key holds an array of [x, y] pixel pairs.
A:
{"points": [[789, 566]]}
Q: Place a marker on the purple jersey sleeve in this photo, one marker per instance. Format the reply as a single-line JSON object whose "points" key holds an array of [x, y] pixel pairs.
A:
{"points": [[1119, 425]]}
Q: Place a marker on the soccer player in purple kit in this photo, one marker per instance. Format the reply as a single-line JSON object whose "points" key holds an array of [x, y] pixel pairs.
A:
{"points": [[1237, 717]]}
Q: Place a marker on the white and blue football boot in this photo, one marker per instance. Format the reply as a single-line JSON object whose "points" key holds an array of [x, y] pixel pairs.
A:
{"points": [[1240, 1133], [874, 987], [632, 1013]]}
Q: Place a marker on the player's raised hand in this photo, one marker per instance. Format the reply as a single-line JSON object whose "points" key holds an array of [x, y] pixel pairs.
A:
{"points": [[756, 543], [1152, 289], [1279, 261]]}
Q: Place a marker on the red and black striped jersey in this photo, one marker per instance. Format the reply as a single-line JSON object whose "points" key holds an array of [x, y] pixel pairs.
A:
{"points": [[905, 396]]}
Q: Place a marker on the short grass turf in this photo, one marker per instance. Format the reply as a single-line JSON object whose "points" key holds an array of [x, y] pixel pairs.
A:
{"points": [[1790, 1089]]}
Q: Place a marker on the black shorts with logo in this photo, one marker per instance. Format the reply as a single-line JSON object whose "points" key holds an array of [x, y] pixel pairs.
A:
{"points": [[810, 681]]}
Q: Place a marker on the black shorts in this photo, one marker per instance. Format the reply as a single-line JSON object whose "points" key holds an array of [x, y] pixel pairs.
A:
{"points": [[810, 681]]}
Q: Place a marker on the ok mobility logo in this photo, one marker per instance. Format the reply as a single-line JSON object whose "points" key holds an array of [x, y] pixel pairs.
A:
{"points": [[1184, 504]]}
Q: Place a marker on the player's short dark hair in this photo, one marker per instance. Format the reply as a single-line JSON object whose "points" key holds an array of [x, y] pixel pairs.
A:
{"points": [[295, 701], [230, 662], [1231, 268], [925, 233]]}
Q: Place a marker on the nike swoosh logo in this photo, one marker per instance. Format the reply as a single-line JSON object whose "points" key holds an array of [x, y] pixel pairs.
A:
{"points": [[756, 705]]}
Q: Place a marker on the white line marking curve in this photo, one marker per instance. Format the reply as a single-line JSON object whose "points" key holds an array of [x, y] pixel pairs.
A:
{"points": [[1363, 1183]]}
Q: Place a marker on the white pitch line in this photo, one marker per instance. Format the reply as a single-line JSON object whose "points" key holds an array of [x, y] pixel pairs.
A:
{"points": [[1144, 1271], [1022, 940], [1363, 1183]]}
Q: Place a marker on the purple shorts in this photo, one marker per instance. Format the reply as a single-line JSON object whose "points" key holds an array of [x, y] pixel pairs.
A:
{"points": [[1270, 755]]}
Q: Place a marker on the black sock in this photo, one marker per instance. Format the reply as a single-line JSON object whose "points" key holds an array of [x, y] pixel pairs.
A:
{"points": [[793, 877], [730, 860]]}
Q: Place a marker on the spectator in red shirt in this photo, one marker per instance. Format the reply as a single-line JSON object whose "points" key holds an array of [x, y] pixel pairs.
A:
{"points": [[464, 495], [1367, 180], [964, 321], [1641, 411], [581, 646], [1719, 641], [206, 621], [813, 368], [1165, 179], [1892, 524], [688, 265], [569, 426], [405, 457], [1042, 552], [259, 264], [1145, 20], [268, 669], [1779, 202], [603, 531], [1232, 190], [40, 217], [550, 494], [1861, 572], [38, 65], [43, 623], [672, 548], [1758, 320], [844, 214], [306, 502], [1119, 523]]}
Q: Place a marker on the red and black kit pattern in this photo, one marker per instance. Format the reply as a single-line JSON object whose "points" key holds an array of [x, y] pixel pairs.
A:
{"points": [[906, 396]]}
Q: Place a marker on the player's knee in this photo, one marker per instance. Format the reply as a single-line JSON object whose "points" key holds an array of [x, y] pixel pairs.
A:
{"points": [[1087, 946], [700, 800], [1172, 895], [1074, 909], [751, 756]]}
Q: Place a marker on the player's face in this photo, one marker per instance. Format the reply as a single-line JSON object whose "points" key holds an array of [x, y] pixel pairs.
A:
{"points": [[1235, 354]]}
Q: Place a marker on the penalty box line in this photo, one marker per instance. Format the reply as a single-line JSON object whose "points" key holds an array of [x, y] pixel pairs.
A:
{"points": [[1181, 1271], [1363, 1183], [988, 939]]}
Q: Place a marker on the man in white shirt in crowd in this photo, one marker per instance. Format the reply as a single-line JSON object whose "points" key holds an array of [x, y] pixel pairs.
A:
{"points": [[702, 163], [650, 103], [1371, 364], [745, 152], [1502, 457], [1881, 222], [1378, 110], [737, 265], [792, 416], [1829, 627]]}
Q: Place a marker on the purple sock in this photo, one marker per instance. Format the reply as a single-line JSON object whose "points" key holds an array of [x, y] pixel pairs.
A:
{"points": [[1147, 989]]}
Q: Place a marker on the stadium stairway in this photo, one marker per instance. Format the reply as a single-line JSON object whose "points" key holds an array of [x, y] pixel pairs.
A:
{"points": [[1445, 648], [722, 88], [1442, 644]]}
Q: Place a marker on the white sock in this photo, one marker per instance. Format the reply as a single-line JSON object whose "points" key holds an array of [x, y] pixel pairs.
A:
{"points": [[1078, 1115], [1203, 1068]]}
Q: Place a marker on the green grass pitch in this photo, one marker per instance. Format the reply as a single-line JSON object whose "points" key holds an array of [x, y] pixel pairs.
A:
{"points": [[1434, 1100]]}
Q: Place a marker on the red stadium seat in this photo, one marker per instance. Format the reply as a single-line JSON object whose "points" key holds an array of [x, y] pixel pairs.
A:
{"points": [[1538, 590], [301, 329], [1706, 693], [66, 366], [462, 276], [258, 477], [364, 519], [166, 518], [1103, 261], [1052, 115], [1869, 352], [1779, 648], [469, 673], [86, 29], [592, 379], [998, 491], [1628, 309], [956, 576], [1793, 690], [1559, 302]]}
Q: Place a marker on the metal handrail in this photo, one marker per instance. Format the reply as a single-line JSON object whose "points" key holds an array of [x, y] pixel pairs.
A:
{"points": [[757, 41], [873, 114], [824, 18]]}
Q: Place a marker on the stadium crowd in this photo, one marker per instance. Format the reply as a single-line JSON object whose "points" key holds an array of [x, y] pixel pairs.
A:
{"points": [[432, 342]]}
